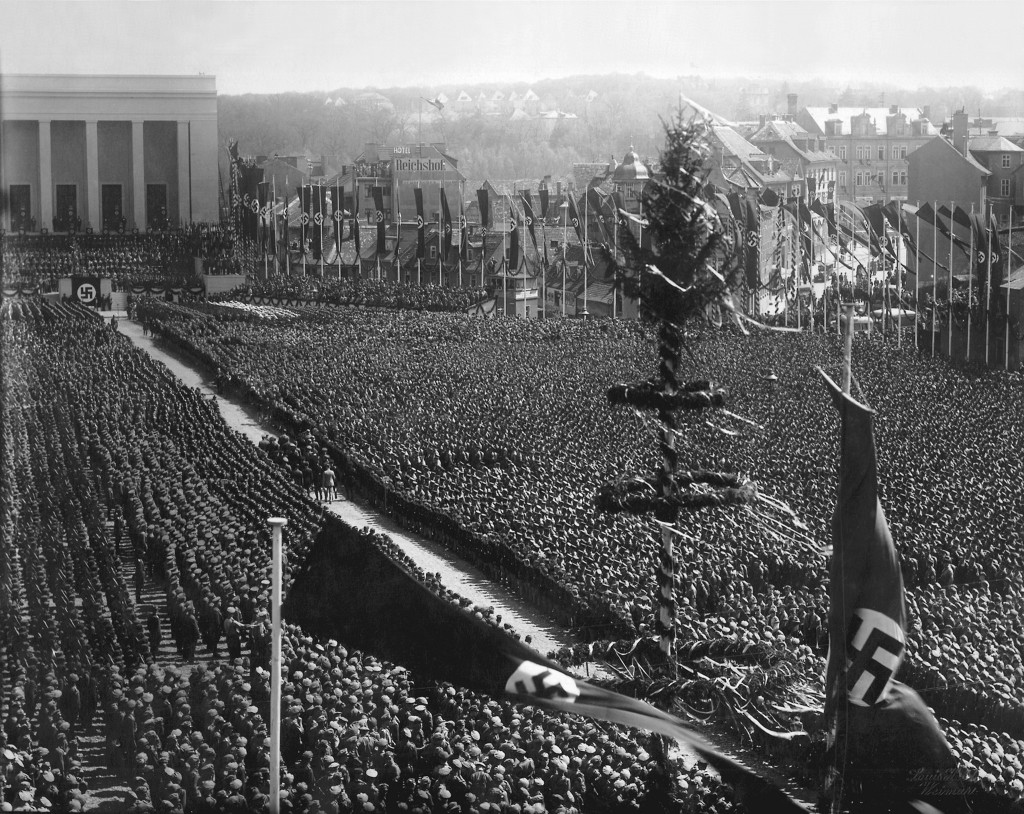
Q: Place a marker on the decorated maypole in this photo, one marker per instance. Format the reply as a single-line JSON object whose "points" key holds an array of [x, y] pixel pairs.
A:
{"points": [[679, 282]]}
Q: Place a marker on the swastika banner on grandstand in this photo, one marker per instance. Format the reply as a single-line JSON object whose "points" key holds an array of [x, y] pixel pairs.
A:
{"points": [[86, 290]]}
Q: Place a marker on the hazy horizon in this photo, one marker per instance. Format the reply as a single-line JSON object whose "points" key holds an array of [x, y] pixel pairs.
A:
{"points": [[275, 47]]}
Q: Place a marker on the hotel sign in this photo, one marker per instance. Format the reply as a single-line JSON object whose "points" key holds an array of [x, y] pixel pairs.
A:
{"points": [[418, 165]]}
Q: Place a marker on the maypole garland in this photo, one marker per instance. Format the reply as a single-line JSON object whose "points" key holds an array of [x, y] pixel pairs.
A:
{"points": [[678, 282]]}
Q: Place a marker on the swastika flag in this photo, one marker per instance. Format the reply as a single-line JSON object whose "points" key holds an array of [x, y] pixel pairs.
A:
{"points": [[884, 733], [350, 590]]}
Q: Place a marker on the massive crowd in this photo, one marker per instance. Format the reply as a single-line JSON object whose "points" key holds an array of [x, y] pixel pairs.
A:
{"points": [[148, 260], [108, 458], [367, 293], [495, 436]]}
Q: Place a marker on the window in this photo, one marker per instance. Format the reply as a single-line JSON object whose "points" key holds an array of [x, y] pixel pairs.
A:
{"points": [[895, 177], [1004, 187], [903, 152], [433, 252], [369, 190], [842, 179], [903, 178], [881, 152], [860, 179], [842, 153], [1006, 161], [895, 153], [860, 153]]}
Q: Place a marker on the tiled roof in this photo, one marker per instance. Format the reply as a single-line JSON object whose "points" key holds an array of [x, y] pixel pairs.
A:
{"points": [[820, 115], [734, 144]]}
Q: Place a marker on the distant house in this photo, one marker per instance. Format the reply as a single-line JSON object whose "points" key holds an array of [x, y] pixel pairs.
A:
{"points": [[801, 154], [940, 172]]}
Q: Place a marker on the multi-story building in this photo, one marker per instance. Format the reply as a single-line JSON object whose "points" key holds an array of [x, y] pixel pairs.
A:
{"points": [[1003, 159], [801, 154], [871, 146]]}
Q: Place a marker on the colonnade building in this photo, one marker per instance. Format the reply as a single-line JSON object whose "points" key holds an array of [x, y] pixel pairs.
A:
{"points": [[108, 152]]}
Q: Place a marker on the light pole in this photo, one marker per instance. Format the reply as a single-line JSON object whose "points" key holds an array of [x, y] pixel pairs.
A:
{"points": [[276, 524]]}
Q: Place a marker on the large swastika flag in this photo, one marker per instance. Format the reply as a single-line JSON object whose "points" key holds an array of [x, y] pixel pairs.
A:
{"points": [[86, 290]]}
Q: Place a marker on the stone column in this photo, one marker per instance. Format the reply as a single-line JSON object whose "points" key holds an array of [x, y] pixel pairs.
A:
{"points": [[138, 177], [45, 177], [184, 191], [93, 216]]}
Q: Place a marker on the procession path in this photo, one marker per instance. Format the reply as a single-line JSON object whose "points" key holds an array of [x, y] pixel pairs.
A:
{"points": [[456, 574]]}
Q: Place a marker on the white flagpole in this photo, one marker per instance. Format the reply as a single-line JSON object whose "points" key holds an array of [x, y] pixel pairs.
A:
{"points": [[950, 292], [988, 284], [970, 287], [615, 258], [565, 215], [917, 277], [1006, 278], [440, 234], [935, 273], [504, 266], [586, 248], [462, 227], [276, 524]]}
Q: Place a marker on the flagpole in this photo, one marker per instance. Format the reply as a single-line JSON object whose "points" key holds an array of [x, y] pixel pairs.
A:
{"points": [[273, 222], [586, 248], [917, 277], [276, 524], [848, 348], [1006, 277], [287, 230], [988, 284], [504, 267], [565, 221], [935, 273], [794, 247], [970, 287], [950, 292], [462, 226], [615, 260], [320, 206], [440, 230]]}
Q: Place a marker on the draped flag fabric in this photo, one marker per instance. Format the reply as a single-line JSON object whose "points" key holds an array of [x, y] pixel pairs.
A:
{"points": [[753, 248], [446, 227], [355, 226], [596, 205], [769, 197], [349, 590], [828, 212], [528, 215], [263, 198], [338, 215], [272, 222], [485, 207], [513, 240], [421, 225], [575, 219], [306, 204], [378, 215], [463, 232], [884, 733], [543, 193], [319, 218], [876, 223]]}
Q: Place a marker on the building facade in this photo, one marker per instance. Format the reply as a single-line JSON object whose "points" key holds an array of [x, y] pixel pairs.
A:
{"points": [[938, 172], [108, 152], [871, 146]]}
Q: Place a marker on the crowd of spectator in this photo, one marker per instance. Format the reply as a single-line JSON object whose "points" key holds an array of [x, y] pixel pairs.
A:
{"points": [[150, 260], [108, 458], [495, 436], [367, 293]]}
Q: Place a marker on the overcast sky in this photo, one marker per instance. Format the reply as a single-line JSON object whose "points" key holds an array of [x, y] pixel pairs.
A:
{"points": [[264, 47]]}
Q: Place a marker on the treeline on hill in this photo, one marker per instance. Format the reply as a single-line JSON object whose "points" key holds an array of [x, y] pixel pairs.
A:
{"points": [[613, 112]]}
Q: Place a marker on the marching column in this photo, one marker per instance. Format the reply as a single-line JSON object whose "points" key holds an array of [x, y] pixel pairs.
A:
{"points": [[92, 176], [138, 177], [45, 177]]}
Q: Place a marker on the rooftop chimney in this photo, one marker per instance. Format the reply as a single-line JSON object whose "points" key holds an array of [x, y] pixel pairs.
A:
{"points": [[960, 132], [791, 99], [894, 109], [926, 112], [833, 108]]}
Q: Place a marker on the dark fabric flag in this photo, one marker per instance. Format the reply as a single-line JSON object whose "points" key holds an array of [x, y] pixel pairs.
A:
{"points": [[350, 591], [529, 216], [463, 232], [86, 290], [272, 223], [421, 225], [769, 197], [446, 227], [752, 258], [958, 216], [513, 240], [828, 212], [306, 203], [378, 215], [876, 223], [543, 193], [318, 220], [574, 219], [338, 215], [485, 207], [885, 735], [263, 198]]}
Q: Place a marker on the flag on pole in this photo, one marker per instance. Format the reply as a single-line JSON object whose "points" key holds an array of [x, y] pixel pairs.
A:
{"points": [[349, 590], [575, 219], [446, 226], [752, 255], [884, 734], [318, 219], [543, 193], [378, 206], [421, 225], [463, 232], [485, 207], [528, 215], [513, 240], [306, 203]]}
